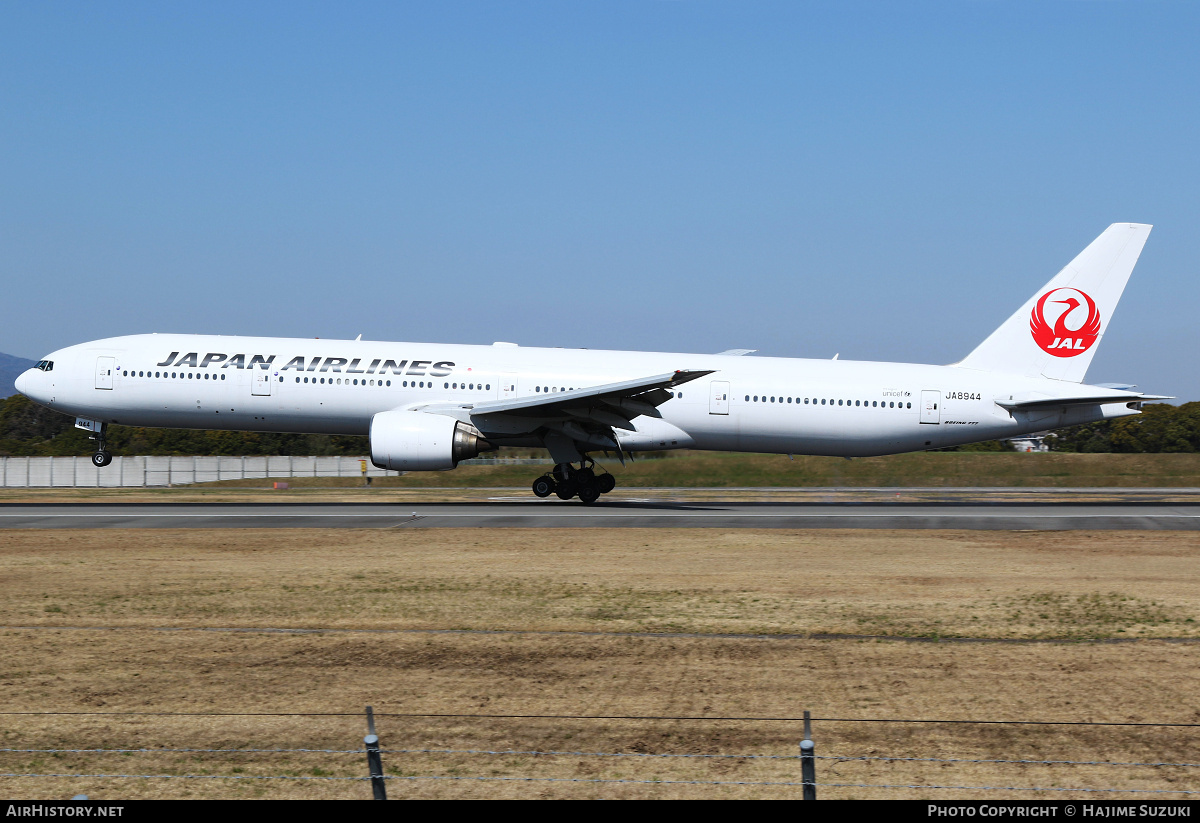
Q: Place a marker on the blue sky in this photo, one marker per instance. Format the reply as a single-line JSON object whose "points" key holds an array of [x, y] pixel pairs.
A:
{"points": [[885, 180]]}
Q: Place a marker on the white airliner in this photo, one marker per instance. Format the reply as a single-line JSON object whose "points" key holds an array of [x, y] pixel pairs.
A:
{"points": [[427, 406]]}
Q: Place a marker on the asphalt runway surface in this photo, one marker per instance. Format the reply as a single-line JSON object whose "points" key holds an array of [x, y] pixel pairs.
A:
{"points": [[552, 513]]}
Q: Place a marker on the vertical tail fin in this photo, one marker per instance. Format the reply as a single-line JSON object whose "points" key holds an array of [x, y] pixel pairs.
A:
{"points": [[1056, 333]]}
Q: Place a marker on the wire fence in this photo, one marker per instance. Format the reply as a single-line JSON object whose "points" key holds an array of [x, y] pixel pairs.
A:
{"points": [[801, 772]]}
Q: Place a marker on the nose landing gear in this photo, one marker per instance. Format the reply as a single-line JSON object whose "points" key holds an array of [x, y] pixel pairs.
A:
{"points": [[566, 481], [102, 457]]}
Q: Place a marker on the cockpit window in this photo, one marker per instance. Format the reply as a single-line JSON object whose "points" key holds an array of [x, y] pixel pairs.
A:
{"points": [[45, 365]]}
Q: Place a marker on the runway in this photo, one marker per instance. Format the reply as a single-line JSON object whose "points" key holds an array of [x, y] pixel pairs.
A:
{"points": [[527, 513]]}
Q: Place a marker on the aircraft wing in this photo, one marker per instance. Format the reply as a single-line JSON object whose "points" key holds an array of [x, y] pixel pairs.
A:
{"points": [[585, 417], [614, 404]]}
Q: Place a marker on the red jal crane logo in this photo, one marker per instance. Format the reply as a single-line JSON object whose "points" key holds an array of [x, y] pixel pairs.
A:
{"points": [[1068, 331]]}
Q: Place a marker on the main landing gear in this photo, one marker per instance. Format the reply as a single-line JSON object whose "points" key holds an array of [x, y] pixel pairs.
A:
{"points": [[567, 481]]}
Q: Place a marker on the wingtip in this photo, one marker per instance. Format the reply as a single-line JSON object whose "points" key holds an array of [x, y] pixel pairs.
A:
{"points": [[685, 375]]}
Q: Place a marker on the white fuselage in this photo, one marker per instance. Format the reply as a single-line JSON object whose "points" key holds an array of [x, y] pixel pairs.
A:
{"points": [[756, 404]]}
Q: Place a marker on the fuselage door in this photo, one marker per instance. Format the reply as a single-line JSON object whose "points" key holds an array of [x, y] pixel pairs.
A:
{"points": [[508, 386], [104, 372], [718, 397], [262, 384], [930, 401]]}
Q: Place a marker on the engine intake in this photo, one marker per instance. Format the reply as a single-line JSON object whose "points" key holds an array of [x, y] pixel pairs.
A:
{"points": [[418, 441]]}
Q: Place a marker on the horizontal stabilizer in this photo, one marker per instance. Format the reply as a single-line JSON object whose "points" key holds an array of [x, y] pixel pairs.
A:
{"points": [[1036, 400]]}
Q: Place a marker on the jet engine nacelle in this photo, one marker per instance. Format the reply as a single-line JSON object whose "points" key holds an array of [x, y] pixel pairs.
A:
{"points": [[418, 441]]}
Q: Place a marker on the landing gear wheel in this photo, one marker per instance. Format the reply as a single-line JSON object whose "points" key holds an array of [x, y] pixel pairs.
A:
{"points": [[567, 481], [101, 459], [589, 493]]}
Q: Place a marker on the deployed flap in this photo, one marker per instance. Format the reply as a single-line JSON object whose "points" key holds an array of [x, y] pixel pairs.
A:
{"points": [[1056, 333]]}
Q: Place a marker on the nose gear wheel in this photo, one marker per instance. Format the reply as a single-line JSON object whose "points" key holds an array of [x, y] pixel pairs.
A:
{"points": [[102, 457]]}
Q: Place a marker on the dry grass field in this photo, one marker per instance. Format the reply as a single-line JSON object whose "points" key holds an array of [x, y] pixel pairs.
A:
{"points": [[163, 640]]}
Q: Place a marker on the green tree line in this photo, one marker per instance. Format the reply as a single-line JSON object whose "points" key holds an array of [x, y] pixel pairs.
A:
{"points": [[1159, 428], [29, 429]]}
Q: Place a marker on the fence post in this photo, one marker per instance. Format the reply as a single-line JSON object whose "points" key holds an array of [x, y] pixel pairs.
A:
{"points": [[808, 762], [374, 761]]}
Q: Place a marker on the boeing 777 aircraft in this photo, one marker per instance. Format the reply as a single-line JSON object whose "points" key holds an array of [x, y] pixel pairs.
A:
{"points": [[427, 406]]}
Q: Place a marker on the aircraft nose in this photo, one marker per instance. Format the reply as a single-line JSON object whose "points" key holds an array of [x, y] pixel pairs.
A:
{"points": [[22, 381]]}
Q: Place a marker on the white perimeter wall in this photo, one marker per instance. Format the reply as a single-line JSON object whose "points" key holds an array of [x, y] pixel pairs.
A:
{"points": [[70, 472], [164, 471]]}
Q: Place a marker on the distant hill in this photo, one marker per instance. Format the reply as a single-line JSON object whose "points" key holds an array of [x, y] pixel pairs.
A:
{"points": [[10, 367]]}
